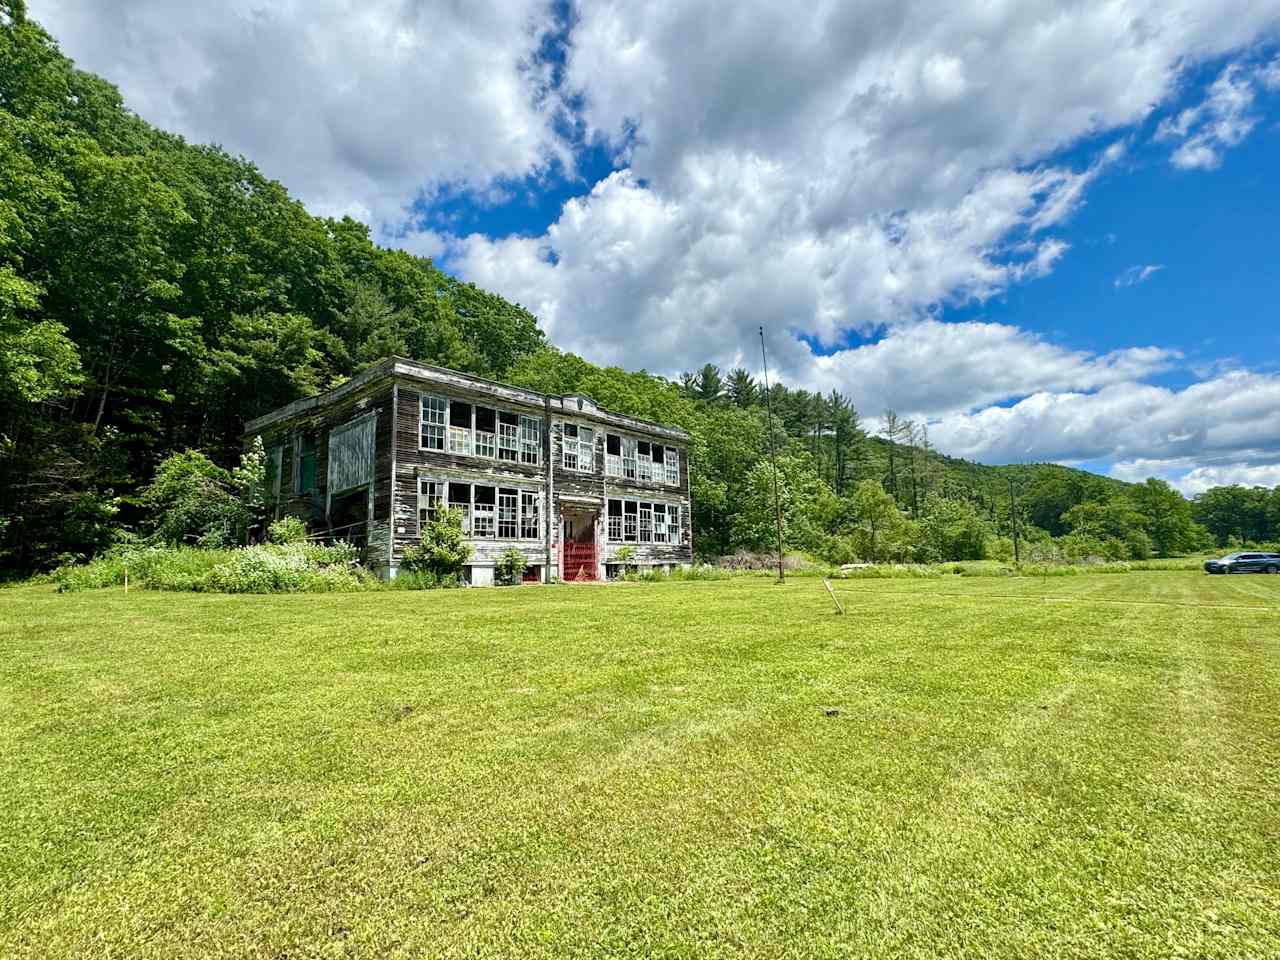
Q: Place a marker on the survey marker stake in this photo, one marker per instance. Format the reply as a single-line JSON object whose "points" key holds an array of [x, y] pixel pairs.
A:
{"points": [[834, 599]]}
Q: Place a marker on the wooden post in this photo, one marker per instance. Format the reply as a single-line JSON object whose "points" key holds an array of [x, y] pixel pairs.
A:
{"points": [[834, 599], [126, 578]]}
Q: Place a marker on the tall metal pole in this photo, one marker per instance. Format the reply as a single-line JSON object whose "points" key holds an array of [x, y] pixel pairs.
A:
{"points": [[773, 455], [1013, 517]]}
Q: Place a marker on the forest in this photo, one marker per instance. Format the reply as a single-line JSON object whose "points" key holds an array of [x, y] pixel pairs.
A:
{"points": [[156, 294]]}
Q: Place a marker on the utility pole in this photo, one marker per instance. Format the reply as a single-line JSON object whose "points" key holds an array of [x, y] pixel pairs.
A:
{"points": [[1013, 517], [773, 455]]}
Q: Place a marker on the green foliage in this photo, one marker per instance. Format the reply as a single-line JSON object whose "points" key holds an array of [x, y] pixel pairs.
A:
{"points": [[509, 568], [287, 530], [442, 550], [191, 499], [154, 295], [149, 566], [296, 568]]}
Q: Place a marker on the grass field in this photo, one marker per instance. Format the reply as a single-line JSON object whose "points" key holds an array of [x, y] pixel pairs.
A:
{"points": [[1070, 767]]}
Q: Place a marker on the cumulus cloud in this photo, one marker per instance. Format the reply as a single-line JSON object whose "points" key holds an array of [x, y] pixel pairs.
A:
{"points": [[1193, 480], [1221, 121], [1229, 418], [933, 369], [849, 173], [1138, 274], [359, 107]]}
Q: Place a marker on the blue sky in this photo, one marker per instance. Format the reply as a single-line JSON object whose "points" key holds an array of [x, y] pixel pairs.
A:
{"points": [[1047, 231]]}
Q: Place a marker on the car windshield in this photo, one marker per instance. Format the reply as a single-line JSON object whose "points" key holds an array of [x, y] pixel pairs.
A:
{"points": [[1232, 556]]}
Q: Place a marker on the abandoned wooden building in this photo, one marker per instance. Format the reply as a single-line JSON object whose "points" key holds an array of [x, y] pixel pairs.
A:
{"points": [[579, 490]]}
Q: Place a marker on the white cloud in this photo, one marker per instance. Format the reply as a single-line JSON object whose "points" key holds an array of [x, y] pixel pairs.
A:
{"points": [[857, 168], [356, 106], [1193, 480], [1138, 274], [934, 369], [1231, 418], [1221, 121]]}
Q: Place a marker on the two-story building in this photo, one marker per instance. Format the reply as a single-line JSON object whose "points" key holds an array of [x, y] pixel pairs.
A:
{"points": [[577, 489]]}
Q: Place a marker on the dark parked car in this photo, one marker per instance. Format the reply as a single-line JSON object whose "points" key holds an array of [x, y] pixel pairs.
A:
{"points": [[1245, 563]]}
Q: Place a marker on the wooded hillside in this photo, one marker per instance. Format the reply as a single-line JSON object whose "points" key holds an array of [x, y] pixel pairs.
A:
{"points": [[155, 295]]}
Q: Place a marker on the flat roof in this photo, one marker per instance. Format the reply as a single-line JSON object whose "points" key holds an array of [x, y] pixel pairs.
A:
{"points": [[570, 404]]}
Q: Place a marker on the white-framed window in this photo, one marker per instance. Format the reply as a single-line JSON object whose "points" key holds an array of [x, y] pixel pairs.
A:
{"points": [[434, 416], [640, 521], [430, 497], [612, 455], [644, 460], [671, 461], [486, 432], [508, 513], [508, 437], [530, 440], [460, 499], [483, 511], [578, 448], [628, 458], [615, 521], [530, 514]]}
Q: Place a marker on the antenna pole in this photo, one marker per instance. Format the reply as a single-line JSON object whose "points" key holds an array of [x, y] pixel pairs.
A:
{"points": [[773, 455]]}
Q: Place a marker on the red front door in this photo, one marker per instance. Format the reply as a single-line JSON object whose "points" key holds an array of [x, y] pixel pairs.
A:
{"points": [[579, 548]]}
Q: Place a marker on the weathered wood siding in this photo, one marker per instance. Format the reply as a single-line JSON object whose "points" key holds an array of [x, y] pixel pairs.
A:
{"points": [[373, 400], [392, 393]]}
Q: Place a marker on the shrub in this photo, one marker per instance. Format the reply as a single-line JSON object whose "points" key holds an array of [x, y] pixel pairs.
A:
{"points": [[296, 568], [287, 530], [509, 568], [442, 550], [424, 580], [154, 567]]}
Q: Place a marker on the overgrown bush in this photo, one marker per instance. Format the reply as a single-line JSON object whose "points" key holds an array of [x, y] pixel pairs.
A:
{"points": [[442, 551], [424, 580], [287, 530], [154, 567], [295, 568], [509, 568]]}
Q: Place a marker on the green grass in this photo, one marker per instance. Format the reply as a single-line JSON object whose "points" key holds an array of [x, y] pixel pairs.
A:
{"points": [[959, 767]]}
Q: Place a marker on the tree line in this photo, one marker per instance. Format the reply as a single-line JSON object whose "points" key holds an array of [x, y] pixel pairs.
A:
{"points": [[155, 295]]}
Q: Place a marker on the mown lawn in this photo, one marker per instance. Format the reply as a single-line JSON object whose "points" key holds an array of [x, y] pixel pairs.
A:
{"points": [[1080, 766]]}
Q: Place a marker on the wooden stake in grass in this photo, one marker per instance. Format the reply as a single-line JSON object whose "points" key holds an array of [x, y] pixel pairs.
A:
{"points": [[834, 599], [126, 579]]}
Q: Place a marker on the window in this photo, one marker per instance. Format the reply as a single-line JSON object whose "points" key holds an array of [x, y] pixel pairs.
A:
{"points": [[430, 495], [673, 524], [482, 524], [628, 458], [275, 462], [529, 514], [629, 511], [615, 521], [508, 437], [646, 523], [569, 447], [644, 461], [304, 465], [659, 523], [508, 514], [460, 499], [578, 448], [530, 440], [459, 427], [434, 410], [486, 432], [672, 463], [612, 455]]}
